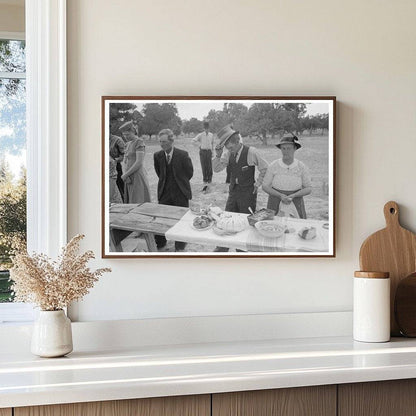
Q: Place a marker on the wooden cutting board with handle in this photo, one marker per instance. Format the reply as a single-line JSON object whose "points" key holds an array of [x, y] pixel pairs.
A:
{"points": [[393, 250]]}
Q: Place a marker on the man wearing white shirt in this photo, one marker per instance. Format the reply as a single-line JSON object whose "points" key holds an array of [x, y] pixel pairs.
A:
{"points": [[205, 141]]}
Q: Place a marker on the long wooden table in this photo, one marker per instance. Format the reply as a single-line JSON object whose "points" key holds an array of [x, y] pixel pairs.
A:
{"points": [[149, 219], [175, 223]]}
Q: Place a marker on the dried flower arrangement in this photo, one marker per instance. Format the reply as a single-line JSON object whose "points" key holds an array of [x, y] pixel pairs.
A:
{"points": [[53, 285]]}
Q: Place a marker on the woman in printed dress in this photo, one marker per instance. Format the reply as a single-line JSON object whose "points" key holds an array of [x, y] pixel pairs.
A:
{"points": [[287, 180], [136, 184]]}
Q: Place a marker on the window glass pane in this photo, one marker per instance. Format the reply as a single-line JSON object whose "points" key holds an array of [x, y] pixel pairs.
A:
{"points": [[12, 56], [12, 175]]}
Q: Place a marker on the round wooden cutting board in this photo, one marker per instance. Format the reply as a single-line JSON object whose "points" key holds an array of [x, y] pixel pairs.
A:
{"points": [[393, 250]]}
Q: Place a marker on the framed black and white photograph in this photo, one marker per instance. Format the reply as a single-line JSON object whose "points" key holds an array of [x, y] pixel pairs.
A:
{"points": [[218, 176]]}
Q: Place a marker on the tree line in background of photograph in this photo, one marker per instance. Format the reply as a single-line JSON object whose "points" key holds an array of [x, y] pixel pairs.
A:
{"points": [[259, 120]]}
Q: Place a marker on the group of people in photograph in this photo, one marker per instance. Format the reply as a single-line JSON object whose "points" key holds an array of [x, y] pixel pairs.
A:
{"points": [[286, 180]]}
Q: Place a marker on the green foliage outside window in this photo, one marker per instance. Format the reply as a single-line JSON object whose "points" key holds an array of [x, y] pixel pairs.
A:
{"points": [[12, 224]]}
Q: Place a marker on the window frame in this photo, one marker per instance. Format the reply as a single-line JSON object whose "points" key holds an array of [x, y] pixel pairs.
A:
{"points": [[46, 137], [12, 35]]}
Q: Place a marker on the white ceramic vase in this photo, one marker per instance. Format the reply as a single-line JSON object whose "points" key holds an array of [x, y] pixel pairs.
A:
{"points": [[52, 334]]}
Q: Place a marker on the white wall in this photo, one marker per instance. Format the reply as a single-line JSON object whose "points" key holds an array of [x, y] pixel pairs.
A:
{"points": [[360, 51], [12, 18]]}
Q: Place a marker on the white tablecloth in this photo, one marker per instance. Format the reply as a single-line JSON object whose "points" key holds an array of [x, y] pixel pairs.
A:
{"points": [[250, 239]]}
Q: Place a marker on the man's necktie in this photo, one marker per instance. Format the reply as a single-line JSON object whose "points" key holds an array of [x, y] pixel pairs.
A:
{"points": [[168, 158]]}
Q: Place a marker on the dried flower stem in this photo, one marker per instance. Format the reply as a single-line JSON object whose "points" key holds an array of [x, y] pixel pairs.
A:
{"points": [[53, 285]]}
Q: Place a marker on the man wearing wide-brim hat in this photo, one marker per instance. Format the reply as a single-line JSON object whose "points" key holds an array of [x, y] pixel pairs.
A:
{"points": [[241, 161]]}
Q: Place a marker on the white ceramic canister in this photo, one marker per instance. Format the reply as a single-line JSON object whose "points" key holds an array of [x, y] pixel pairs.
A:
{"points": [[371, 314]]}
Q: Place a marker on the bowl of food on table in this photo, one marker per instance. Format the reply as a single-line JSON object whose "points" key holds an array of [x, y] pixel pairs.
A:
{"points": [[260, 215], [202, 223], [270, 228]]}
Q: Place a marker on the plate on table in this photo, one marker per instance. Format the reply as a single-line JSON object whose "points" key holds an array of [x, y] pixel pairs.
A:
{"points": [[202, 223]]}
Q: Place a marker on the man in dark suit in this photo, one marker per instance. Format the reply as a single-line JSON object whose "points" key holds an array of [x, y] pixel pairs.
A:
{"points": [[174, 168]]}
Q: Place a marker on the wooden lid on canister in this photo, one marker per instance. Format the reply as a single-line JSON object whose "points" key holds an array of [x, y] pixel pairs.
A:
{"points": [[372, 275]]}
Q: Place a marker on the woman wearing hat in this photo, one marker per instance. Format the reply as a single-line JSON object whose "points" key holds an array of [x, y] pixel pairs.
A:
{"points": [[136, 184], [287, 179]]}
